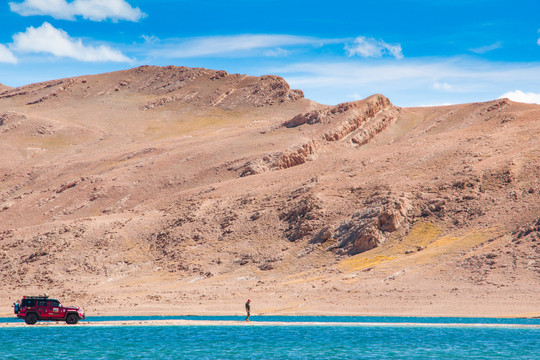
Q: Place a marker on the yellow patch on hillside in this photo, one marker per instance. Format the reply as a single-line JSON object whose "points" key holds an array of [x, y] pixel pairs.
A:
{"points": [[105, 165], [454, 244], [135, 251], [298, 275], [50, 142], [423, 245], [357, 263], [421, 234]]}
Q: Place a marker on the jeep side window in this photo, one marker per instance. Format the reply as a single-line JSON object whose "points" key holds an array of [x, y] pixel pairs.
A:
{"points": [[55, 303], [29, 302], [42, 303]]}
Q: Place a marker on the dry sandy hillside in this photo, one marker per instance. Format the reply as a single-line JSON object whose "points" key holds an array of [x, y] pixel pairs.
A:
{"points": [[4, 87], [173, 190]]}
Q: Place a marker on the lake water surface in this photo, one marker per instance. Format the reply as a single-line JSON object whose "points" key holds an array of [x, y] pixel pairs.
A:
{"points": [[313, 340]]}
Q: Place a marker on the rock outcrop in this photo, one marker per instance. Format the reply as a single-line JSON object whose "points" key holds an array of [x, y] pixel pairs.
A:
{"points": [[355, 122], [302, 218], [368, 228], [37, 93], [367, 116], [11, 120], [169, 84], [294, 156]]}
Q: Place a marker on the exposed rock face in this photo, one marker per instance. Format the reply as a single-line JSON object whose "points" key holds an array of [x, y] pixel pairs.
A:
{"points": [[303, 217], [268, 91], [379, 123], [369, 227], [213, 88], [282, 160], [347, 118], [37, 93], [494, 106], [159, 102], [530, 232], [11, 120], [50, 90], [357, 122], [170, 84]]}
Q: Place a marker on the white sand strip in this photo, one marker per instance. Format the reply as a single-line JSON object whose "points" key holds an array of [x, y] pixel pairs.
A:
{"points": [[261, 323]]}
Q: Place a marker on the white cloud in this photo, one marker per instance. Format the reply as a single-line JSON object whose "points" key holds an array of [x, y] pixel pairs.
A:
{"points": [[487, 48], [6, 56], [48, 39], [95, 10], [442, 86], [538, 41], [59, 9], [233, 45], [369, 47], [410, 82], [433, 105], [465, 75], [277, 52], [357, 96], [368, 73], [520, 96], [150, 39]]}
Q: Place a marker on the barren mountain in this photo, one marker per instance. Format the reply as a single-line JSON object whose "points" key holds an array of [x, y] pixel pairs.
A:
{"points": [[4, 88], [177, 190]]}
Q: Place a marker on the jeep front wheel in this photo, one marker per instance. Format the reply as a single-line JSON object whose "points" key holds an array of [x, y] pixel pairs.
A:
{"points": [[31, 319], [72, 319]]}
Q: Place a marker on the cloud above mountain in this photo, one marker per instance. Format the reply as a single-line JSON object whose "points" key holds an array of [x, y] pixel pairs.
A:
{"points": [[233, 45], [95, 10], [6, 56], [521, 96], [371, 48], [48, 39]]}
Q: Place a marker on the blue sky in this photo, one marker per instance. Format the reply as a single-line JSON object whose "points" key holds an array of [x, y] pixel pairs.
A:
{"points": [[416, 52]]}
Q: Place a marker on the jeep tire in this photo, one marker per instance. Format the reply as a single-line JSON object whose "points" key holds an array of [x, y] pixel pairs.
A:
{"points": [[72, 319], [31, 319]]}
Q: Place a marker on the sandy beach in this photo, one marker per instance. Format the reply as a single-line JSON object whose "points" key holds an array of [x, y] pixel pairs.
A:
{"points": [[262, 323]]}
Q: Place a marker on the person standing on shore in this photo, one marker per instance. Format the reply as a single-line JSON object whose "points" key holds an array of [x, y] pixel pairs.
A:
{"points": [[248, 309]]}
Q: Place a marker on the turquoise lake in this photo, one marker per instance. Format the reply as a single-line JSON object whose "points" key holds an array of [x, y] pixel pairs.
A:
{"points": [[312, 341]]}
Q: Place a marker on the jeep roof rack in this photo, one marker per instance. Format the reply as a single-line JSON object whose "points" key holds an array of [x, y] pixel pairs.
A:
{"points": [[36, 297]]}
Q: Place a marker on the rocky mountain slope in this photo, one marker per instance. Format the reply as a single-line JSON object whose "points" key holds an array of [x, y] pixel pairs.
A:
{"points": [[195, 189]]}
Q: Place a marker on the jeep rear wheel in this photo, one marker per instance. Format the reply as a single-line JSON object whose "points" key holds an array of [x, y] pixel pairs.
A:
{"points": [[72, 319], [31, 319]]}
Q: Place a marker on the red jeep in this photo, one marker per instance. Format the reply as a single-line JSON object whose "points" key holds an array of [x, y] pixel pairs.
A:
{"points": [[34, 308]]}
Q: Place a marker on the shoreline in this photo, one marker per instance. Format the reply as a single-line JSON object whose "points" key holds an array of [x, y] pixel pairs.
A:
{"points": [[532, 315], [179, 322]]}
